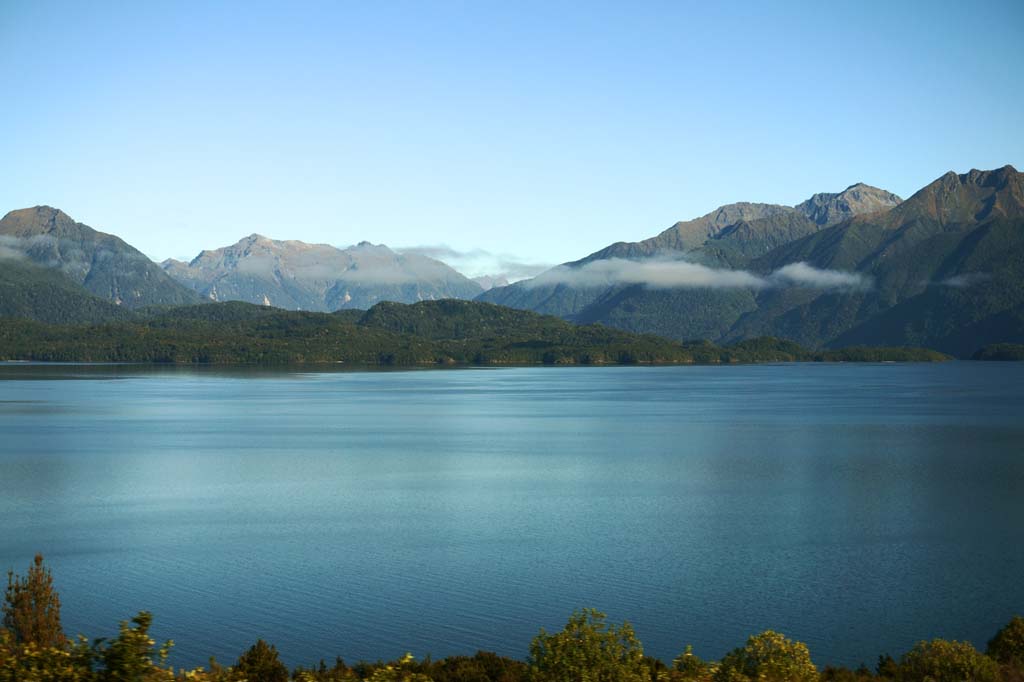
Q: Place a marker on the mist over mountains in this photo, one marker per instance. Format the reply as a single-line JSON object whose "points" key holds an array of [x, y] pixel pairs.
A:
{"points": [[943, 269], [104, 265], [705, 251]]}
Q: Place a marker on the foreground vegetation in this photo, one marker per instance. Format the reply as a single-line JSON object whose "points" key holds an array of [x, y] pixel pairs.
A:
{"points": [[34, 648], [448, 332]]}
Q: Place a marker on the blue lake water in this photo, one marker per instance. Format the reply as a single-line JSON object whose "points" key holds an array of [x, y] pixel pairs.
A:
{"points": [[858, 508]]}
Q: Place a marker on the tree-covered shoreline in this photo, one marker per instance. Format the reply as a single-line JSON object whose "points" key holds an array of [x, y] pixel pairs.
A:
{"points": [[430, 333], [34, 648]]}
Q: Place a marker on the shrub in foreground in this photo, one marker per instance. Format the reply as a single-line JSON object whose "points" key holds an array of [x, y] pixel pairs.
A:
{"points": [[587, 650], [770, 657], [1007, 647], [946, 661], [32, 607]]}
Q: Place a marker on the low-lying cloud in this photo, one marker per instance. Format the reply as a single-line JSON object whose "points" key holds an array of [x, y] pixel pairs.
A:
{"points": [[802, 274], [965, 280], [48, 251], [11, 248], [478, 262], [666, 274]]}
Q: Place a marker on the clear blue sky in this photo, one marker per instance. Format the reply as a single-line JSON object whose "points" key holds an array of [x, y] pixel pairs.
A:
{"points": [[545, 130]]}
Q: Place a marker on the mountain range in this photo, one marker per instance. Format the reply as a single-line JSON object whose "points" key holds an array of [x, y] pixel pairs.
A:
{"points": [[943, 269], [299, 276], [728, 237]]}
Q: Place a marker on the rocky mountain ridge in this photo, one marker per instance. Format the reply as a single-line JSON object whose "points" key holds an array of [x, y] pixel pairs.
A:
{"points": [[729, 236], [103, 264], [295, 275], [942, 269]]}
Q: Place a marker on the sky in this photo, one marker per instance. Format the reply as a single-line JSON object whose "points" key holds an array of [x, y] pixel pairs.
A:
{"points": [[528, 132]]}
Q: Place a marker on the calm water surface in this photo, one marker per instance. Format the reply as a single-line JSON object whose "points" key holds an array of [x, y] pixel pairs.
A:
{"points": [[858, 508]]}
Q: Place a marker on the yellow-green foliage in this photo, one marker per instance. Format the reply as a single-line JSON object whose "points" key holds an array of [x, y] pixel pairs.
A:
{"points": [[770, 657], [400, 671], [944, 661], [687, 667], [588, 650], [1007, 647], [29, 662]]}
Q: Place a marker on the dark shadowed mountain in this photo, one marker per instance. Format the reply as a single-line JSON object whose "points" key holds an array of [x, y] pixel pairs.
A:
{"points": [[764, 225], [943, 269], [946, 266], [728, 237], [299, 276], [102, 263]]}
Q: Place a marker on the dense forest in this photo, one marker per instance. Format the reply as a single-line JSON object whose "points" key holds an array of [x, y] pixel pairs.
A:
{"points": [[448, 332], [34, 648], [1000, 351]]}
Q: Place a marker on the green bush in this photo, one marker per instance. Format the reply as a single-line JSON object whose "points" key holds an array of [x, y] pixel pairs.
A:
{"points": [[261, 664], [768, 657], [1007, 647], [588, 650], [946, 661]]}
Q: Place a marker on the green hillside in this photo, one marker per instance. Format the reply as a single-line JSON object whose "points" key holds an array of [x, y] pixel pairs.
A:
{"points": [[426, 333], [943, 269], [46, 295], [946, 269]]}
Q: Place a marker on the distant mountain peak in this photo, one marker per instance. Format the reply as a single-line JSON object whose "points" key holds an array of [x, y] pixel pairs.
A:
{"points": [[990, 178], [967, 197], [984, 178], [826, 208], [488, 282], [42, 209], [301, 276], [41, 219], [254, 239], [102, 263], [370, 246]]}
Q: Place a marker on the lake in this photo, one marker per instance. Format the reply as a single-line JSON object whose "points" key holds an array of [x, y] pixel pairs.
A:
{"points": [[857, 508]]}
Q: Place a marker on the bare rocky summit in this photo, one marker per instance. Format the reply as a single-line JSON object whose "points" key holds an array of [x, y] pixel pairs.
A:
{"points": [[830, 209], [299, 276]]}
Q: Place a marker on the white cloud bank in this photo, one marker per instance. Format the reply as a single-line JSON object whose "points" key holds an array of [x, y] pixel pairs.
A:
{"points": [[965, 280], [802, 274], [11, 248], [477, 262], [664, 274]]}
